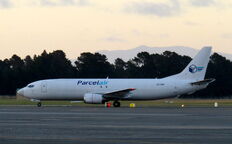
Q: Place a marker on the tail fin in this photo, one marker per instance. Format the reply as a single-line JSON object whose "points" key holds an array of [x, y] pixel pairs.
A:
{"points": [[196, 69]]}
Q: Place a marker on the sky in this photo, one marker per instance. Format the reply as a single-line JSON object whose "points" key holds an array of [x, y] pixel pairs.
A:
{"points": [[28, 27]]}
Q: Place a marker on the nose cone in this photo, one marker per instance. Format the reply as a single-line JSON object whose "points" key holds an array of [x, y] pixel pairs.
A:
{"points": [[20, 92]]}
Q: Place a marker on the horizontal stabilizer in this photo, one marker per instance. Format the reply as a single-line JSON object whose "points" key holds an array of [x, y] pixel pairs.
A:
{"points": [[203, 82]]}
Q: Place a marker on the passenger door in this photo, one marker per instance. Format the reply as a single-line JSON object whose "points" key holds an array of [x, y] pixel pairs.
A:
{"points": [[44, 87]]}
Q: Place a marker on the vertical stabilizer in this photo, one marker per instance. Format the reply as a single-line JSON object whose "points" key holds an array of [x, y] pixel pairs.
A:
{"points": [[196, 69]]}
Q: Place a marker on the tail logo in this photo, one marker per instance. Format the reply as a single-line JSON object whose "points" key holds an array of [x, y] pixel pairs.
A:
{"points": [[194, 69]]}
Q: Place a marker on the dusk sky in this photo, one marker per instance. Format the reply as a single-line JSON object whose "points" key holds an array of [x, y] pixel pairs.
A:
{"points": [[28, 27]]}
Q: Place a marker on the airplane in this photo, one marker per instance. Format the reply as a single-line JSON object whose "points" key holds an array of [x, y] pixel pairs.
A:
{"points": [[99, 91]]}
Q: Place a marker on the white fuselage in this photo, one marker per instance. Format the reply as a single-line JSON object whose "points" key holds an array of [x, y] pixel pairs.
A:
{"points": [[188, 81], [75, 89]]}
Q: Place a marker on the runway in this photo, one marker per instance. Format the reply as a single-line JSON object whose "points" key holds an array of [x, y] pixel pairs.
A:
{"points": [[99, 125]]}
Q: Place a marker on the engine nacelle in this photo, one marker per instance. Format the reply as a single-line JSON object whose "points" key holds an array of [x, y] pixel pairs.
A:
{"points": [[91, 98]]}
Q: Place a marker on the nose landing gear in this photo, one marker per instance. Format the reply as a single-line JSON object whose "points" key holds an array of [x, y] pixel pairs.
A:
{"points": [[39, 104]]}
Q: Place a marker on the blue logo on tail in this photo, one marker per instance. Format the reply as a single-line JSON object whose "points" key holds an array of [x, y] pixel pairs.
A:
{"points": [[194, 69]]}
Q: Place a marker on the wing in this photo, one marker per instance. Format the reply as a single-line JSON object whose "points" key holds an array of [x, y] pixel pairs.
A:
{"points": [[203, 82], [119, 94]]}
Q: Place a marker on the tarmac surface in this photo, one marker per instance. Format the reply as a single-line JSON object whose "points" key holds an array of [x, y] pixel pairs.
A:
{"points": [[99, 125]]}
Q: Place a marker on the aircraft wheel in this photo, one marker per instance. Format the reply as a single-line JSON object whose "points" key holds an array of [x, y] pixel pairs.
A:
{"points": [[117, 104], [39, 104]]}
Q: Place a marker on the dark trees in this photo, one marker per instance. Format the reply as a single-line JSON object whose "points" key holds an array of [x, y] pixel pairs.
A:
{"points": [[90, 65], [53, 65]]}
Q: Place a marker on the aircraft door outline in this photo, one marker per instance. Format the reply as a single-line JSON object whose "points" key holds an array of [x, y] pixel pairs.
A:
{"points": [[44, 87]]}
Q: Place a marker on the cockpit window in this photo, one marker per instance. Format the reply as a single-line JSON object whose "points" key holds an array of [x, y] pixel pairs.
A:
{"points": [[30, 86]]}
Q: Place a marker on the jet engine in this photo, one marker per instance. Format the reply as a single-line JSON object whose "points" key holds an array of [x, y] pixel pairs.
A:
{"points": [[91, 98]]}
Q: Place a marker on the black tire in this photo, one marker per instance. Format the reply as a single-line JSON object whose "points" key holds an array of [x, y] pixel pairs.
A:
{"points": [[117, 104], [39, 104]]}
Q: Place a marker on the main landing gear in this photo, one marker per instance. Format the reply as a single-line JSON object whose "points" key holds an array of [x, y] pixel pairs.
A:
{"points": [[117, 104], [39, 104]]}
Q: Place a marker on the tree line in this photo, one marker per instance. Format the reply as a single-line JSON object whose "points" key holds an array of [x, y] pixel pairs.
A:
{"points": [[17, 72]]}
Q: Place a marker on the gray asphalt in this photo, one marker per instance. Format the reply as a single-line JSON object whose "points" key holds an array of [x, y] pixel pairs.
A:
{"points": [[87, 125]]}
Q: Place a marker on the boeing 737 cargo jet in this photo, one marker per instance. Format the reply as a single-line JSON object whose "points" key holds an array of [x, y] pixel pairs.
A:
{"points": [[99, 91]]}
